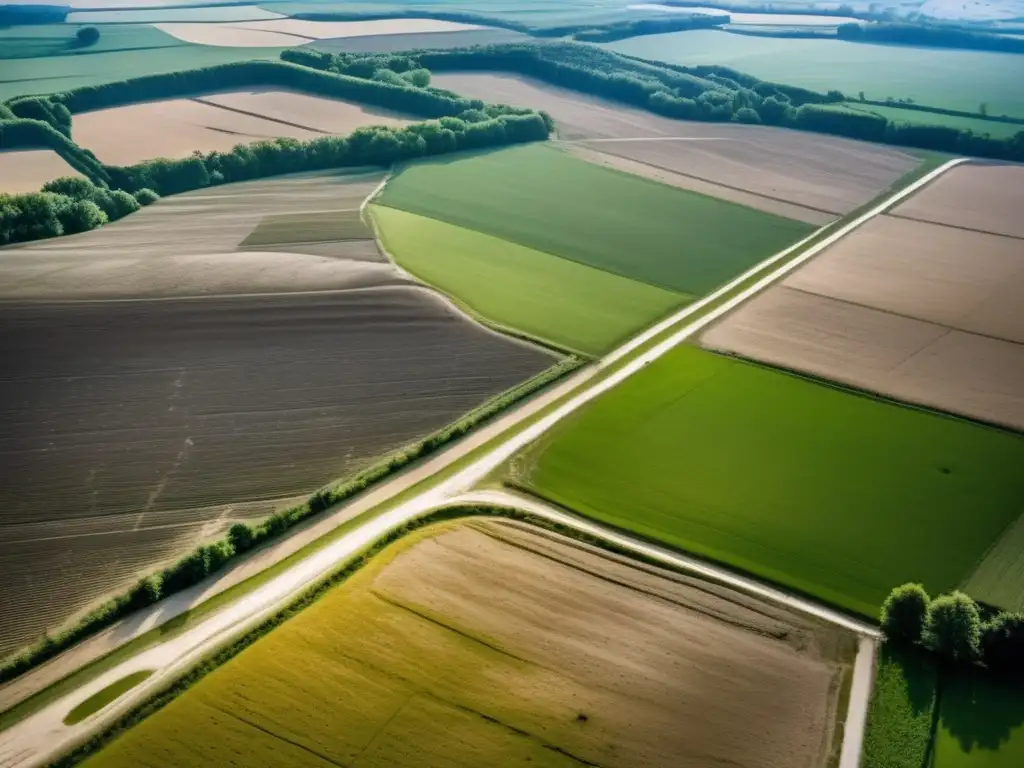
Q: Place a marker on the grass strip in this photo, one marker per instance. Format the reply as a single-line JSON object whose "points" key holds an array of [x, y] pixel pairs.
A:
{"points": [[98, 701], [901, 713], [272, 528]]}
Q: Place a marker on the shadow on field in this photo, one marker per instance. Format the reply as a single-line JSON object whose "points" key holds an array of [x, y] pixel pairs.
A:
{"points": [[979, 710]]}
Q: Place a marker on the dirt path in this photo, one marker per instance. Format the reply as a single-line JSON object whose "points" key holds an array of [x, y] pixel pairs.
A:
{"points": [[43, 735]]}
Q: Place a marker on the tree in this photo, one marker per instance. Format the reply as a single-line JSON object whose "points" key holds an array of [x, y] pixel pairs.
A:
{"points": [[75, 187], [122, 204], [417, 77], [87, 36], [1002, 644], [983, 109], [747, 115], [952, 627], [904, 612]]}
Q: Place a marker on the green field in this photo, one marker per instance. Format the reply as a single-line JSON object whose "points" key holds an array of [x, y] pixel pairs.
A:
{"points": [[901, 710], [951, 79], [555, 300], [994, 128], [979, 722], [123, 51], [545, 199], [99, 700], [837, 495]]}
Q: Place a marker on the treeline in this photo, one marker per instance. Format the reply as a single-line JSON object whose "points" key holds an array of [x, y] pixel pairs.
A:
{"points": [[242, 537], [65, 206], [594, 33], [711, 94], [18, 133], [929, 35], [953, 627]]}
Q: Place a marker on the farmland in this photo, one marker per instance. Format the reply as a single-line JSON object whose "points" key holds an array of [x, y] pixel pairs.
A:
{"points": [[919, 305], [286, 32], [26, 170], [151, 425], [558, 301], [826, 175], [951, 79], [802, 484], [130, 49], [217, 121], [979, 125], [544, 199], [496, 665]]}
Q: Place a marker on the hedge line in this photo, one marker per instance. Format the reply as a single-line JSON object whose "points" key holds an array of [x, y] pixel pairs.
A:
{"points": [[212, 557], [710, 94], [20, 133]]}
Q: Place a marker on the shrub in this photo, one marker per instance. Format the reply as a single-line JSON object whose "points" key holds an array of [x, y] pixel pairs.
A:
{"points": [[146, 592], [74, 187], [241, 537], [87, 36], [1002, 644], [80, 216], [903, 613], [952, 627], [417, 77], [217, 554], [747, 115], [122, 203], [146, 196], [319, 501]]}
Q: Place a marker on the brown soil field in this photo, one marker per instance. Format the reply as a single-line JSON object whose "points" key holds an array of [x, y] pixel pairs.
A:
{"points": [[778, 207], [286, 31], [414, 41], [922, 312], [290, 233], [217, 121], [134, 429], [26, 170], [515, 647], [826, 174], [986, 197]]}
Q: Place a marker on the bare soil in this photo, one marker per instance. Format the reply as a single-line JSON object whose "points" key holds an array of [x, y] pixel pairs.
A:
{"points": [[185, 245], [988, 197], [289, 32], [824, 173], [26, 170], [490, 644], [923, 312], [218, 121], [904, 358], [778, 207], [135, 429]]}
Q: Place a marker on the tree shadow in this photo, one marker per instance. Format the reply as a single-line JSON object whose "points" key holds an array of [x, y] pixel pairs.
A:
{"points": [[980, 710]]}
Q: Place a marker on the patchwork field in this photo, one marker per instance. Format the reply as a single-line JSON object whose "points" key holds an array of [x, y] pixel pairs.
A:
{"points": [[130, 50], [288, 32], [217, 121], [497, 664], [414, 41], [141, 15], [290, 233], [133, 428], [810, 178], [948, 78], [26, 170], [558, 301], [919, 311], [544, 199], [799, 483]]}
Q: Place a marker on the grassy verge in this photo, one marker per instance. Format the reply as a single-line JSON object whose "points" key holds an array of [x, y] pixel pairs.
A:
{"points": [[272, 528], [902, 709], [98, 701]]}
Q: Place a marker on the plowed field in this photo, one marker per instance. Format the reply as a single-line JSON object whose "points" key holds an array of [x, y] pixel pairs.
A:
{"points": [[485, 644], [26, 170]]}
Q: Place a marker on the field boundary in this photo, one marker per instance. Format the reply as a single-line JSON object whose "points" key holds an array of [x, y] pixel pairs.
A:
{"points": [[467, 470]]}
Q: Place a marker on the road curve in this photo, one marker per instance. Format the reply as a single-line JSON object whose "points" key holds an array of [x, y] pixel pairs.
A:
{"points": [[43, 735]]}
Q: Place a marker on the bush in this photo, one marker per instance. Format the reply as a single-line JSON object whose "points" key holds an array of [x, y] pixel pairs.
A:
{"points": [[747, 115], [146, 196], [87, 36], [146, 592], [241, 537], [74, 187], [904, 612], [952, 627], [420, 78], [1002, 644], [122, 204], [80, 216]]}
